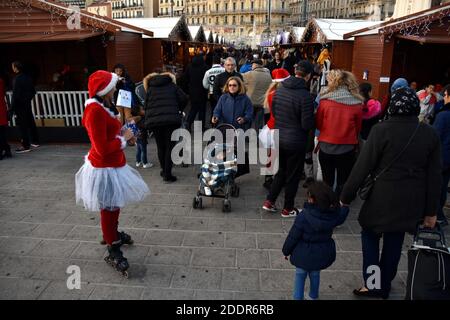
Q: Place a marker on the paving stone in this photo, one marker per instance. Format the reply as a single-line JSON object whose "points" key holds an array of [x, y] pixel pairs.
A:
{"points": [[214, 257], [21, 289], [240, 240], [17, 266], [57, 290], [51, 231], [46, 217], [169, 255], [163, 237], [90, 251], [240, 279], [348, 242], [277, 260], [259, 295], [185, 223], [172, 210], [270, 240], [85, 233], [149, 222], [236, 225], [167, 294], [18, 246], [204, 239], [213, 295], [277, 280], [150, 275], [263, 226], [84, 219], [17, 229], [252, 258], [116, 293], [197, 278], [55, 248]]}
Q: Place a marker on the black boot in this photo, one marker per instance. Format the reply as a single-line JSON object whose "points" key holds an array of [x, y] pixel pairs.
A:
{"points": [[123, 237], [8, 152], [116, 259]]}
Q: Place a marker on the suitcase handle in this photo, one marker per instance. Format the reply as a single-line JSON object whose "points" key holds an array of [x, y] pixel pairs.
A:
{"points": [[430, 237]]}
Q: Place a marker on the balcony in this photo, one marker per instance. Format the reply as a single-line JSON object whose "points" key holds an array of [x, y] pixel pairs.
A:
{"points": [[254, 11]]}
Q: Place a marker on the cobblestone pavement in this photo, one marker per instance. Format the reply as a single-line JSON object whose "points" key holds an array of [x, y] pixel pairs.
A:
{"points": [[179, 252]]}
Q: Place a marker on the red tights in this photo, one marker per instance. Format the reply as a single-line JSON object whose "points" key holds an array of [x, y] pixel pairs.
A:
{"points": [[109, 221]]}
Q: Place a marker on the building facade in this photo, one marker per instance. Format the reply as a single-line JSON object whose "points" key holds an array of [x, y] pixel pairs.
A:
{"points": [[171, 8], [134, 8], [375, 10], [239, 20]]}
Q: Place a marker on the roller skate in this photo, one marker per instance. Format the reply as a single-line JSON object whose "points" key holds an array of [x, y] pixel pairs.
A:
{"points": [[124, 238], [116, 259]]}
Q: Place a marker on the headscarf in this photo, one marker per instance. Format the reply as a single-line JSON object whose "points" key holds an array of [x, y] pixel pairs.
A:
{"points": [[324, 55], [404, 102], [399, 83]]}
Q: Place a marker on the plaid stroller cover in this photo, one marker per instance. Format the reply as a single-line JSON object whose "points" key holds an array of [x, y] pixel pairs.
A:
{"points": [[215, 171]]}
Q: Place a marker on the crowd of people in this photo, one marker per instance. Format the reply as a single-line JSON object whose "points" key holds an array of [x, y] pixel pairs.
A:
{"points": [[401, 143]]}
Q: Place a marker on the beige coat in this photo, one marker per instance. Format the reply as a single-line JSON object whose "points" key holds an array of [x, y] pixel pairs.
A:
{"points": [[257, 82]]}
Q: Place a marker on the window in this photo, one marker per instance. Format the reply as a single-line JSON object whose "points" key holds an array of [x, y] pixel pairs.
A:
{"points": [[282, 19], [242, 6], [226, 7], [225, 20], [234, 6], [234, 19], [252, 18], [252, 5], [217, 20], [217, 7]]}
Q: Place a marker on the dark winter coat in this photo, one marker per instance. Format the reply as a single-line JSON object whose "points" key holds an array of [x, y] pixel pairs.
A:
{"points": [[293, 110], [221, 80], [23, 93], [164, 102], [442, 126], [310, 243], [229, 108], [410, 189], [274, 65], [193, 78]]}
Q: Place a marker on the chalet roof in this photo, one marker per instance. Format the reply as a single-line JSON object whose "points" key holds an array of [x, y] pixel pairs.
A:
{"points": [[39, 20], [163, 28]]}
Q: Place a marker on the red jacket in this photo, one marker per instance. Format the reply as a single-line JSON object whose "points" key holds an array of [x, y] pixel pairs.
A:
{"points": [[338, 123], [271, 122], [103, 128], [3, 109]]}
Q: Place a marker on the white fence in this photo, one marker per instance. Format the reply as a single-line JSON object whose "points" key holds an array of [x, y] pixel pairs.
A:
{"points": [[67, 105]]}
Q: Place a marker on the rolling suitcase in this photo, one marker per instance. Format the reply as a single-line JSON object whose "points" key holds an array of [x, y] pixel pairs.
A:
{"points": [[428, 266]]}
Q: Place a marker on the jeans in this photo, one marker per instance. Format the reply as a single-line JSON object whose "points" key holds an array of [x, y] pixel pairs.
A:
{"points": [[141, 152], [299, 287], [287, 177], [340, 163], [444, 191], [390, 256]]}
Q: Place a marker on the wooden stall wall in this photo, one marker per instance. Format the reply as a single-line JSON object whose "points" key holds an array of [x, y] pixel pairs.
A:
{"points": [[153, 57], [342, 55], [127, 50], [375, 57]]}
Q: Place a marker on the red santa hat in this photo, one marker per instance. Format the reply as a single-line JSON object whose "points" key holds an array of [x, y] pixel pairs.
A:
{"points": [[279, 75], [101, 82]]}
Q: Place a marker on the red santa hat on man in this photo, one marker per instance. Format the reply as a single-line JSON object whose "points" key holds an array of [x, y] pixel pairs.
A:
{"points": [[279, 75], [101, 82]]}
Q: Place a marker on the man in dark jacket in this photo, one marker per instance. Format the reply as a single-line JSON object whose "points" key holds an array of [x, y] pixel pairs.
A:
{"points": [[442, 126], [193, 78], [221, 79], [23, 94], [293, 110], [163, 106]]}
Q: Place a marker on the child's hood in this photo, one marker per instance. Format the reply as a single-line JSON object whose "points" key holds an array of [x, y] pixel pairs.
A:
{"points": [[321, 220]]}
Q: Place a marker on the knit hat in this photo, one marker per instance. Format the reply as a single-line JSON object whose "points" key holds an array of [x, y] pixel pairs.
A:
{"points": [[279, 75], [101, 82], [399, 83], [404, 102]]}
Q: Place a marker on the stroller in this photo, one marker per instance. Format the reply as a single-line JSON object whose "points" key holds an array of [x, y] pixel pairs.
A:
{"points": [[218, 172]]}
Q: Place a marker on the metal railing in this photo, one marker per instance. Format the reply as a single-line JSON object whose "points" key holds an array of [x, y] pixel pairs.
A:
{"points": [[67, 105]]}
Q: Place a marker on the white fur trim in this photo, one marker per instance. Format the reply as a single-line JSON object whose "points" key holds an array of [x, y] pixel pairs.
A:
{"points": [[280, 80], [92, 100], [123, 141], [110, 85]]}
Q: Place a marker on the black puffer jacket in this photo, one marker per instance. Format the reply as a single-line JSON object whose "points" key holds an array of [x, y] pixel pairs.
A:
{"points": [[164, 102], [293, 110]]}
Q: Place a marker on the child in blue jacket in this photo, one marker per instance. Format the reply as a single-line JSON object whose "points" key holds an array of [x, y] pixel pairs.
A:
{"points": [[310, 244]]}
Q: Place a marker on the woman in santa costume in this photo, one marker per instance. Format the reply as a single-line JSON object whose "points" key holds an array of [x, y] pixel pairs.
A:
{"points": [[105, 182]]}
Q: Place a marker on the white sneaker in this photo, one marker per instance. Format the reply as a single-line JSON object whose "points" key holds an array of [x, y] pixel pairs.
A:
{"points": [[147, 165], [35, 145], [138, 164]]}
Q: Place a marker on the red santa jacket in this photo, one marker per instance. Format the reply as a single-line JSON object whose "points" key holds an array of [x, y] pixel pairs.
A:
{"points": [[338, 123], [103, 128]]}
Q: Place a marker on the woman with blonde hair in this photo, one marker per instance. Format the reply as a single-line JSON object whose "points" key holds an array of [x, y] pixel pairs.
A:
{"points": [[234, 106], [324, 62], [339, 120], [164, 104]]}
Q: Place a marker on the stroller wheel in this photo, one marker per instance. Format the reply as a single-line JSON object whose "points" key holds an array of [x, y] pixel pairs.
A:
{"points": [[226, 207], [200, 203], [197, 203]]}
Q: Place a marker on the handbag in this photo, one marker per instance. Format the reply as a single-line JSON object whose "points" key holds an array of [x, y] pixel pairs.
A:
{"points": [[266, 137], [366, 187]]}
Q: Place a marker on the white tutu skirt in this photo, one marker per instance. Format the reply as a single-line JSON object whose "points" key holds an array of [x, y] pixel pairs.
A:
{"points": [[103, 188]]}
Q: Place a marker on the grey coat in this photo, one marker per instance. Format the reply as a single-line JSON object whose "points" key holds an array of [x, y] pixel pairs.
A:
{"points": [[410, 189]]}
